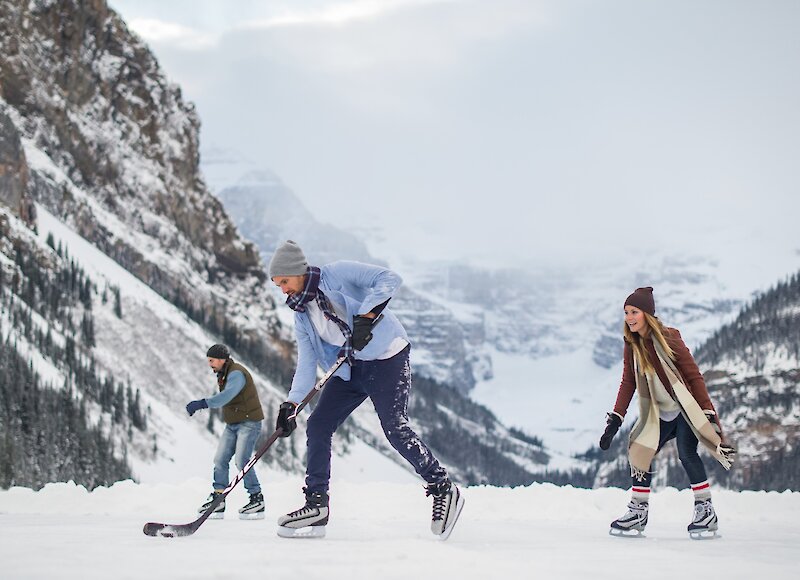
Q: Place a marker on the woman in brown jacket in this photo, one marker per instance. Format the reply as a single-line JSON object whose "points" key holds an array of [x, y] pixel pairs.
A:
{"points": [[673, 404]]}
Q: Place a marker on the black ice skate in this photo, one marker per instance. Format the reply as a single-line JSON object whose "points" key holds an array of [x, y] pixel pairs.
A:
{"points": [[219, 511], [447, 505], [307, 522], [632, 524], [704, 523], [254, 510]]}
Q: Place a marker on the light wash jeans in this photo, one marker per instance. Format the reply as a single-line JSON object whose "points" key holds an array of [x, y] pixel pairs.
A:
{"points": [[238, 439]]}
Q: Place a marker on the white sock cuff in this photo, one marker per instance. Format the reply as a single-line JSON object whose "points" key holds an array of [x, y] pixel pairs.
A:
{"points": [[701, 490]]}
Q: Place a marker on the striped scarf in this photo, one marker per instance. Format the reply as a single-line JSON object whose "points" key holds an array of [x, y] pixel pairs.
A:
{"points": [[645, 434], [311, 291]]}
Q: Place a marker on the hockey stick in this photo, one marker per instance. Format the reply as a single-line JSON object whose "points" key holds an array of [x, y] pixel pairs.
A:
{"points": [[180, 530]]}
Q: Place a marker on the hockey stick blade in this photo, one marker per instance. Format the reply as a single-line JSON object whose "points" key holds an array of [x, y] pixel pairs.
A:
{"points": [[169, 530], [182, 530]]}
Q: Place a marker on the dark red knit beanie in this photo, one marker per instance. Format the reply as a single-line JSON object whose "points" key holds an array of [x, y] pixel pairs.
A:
{"points": [[642, 298]]}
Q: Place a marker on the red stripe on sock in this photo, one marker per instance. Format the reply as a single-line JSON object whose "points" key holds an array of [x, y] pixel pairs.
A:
{"points": [[700, 486], [641, 489]]}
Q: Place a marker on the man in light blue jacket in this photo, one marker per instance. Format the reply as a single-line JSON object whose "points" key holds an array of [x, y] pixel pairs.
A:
{"points": [[336, 307]]}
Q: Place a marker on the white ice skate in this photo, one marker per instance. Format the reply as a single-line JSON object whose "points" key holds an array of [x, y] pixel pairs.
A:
{"points": [[254, 509], [447, 505], [704, 523], [307, 522], [632, 524]]}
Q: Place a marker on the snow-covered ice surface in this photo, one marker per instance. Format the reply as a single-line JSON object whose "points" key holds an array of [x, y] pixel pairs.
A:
{"points": [[381, 530]]}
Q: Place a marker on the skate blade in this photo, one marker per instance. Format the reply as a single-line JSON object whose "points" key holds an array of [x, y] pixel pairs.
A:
{"points": [[449, 530], [617, 533], [215, 515], [252, 516], [306, 532], [704, 535]]}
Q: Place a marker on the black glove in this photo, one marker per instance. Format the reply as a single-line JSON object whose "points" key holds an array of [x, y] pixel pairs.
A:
{"points": [[193, 406], [714, 420], [286, 420], [613, 423], [362, 332]]}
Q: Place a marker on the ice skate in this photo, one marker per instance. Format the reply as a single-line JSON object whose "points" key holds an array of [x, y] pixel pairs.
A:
{"points": [[254, 509], [307, 522], [632, 524], [219, 511], [447, 505], [704, 523]]}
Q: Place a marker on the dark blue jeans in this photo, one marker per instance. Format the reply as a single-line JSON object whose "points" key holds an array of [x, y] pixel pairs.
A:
{"points": [[686, 442], [387, 383]]}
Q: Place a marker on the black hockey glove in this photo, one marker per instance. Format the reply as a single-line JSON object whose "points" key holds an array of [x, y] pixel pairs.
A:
{"points": [[286, 420], [613, 423], [362, 332]]}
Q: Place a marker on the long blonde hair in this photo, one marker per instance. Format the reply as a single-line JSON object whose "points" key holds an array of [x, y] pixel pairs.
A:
{"points": [[635, 340]]}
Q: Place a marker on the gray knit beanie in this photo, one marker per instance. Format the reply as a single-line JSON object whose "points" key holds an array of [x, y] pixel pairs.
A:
{"points": [[288, 260]]}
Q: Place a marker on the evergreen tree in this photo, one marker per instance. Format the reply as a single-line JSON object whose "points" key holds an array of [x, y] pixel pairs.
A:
{"points": [[117, 303]]}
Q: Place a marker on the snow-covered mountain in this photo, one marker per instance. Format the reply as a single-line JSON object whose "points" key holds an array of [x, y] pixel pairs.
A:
{"points": [[112, 150], [100, 181], [555, 335], [754, 373]]}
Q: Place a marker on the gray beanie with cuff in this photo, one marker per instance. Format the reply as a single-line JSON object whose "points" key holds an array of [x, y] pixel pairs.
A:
{"points": [[288, 260]]}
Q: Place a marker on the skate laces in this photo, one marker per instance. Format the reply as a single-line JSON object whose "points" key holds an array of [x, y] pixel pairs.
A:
{"points": [[301, 512], [636, 509], [701, 509], [308, 508], [438, 507], [439, 493]]}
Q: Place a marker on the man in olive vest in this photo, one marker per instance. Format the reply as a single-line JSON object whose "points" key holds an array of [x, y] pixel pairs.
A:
{"points": [[242, 413]]}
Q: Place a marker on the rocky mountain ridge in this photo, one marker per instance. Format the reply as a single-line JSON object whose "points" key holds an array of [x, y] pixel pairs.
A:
{"points": [[112, 149]]}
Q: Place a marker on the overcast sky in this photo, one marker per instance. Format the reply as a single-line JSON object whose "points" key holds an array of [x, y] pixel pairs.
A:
{"points": [[502, 130]]}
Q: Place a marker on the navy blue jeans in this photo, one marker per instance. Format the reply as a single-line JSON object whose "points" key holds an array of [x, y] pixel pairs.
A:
{"points": [[387, 383], [686, 442]]}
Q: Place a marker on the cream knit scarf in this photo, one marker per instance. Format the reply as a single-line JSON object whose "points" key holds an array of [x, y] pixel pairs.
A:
{"points": [[644, 437]]}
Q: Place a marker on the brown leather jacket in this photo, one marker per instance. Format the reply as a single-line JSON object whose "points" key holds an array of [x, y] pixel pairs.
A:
{"points": [[684, 361]]}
